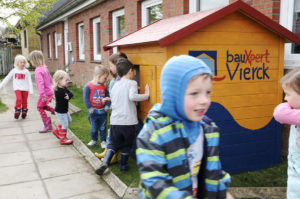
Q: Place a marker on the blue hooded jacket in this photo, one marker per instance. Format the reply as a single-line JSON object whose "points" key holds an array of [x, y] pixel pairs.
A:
{"points": [[166, 136]]}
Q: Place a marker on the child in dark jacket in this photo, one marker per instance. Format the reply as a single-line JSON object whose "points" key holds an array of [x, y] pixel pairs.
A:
{"points": [[62, 97], [178, 147]]}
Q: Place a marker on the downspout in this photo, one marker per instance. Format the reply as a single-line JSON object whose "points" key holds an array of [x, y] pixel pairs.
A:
{"points": [[39, 34]]}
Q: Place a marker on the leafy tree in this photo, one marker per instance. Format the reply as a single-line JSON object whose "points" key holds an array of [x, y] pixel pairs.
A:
{"points": [[29, 11]]}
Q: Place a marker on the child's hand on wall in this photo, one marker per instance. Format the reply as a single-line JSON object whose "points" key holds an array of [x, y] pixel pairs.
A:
{"points": [[147, 90]]}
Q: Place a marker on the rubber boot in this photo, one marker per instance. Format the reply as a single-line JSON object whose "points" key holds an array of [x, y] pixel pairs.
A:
{"points": [[17, 113], [63, 137], [101, 155], [103, 166], [124, 162], [47, 125], [114, 159], [24, 113], [55, 131]]}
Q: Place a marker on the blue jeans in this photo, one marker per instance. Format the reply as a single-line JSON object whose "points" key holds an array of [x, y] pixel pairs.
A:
{"points": [[64, 119], [98, 123]]}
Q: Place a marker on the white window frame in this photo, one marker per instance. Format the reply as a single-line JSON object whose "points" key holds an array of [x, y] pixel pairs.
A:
{"points": [[291, 60], [97, 56], [50, 45], [55, 45], [80, 43], [66, 32], [193, 5], [145, 5], [115, 26]]}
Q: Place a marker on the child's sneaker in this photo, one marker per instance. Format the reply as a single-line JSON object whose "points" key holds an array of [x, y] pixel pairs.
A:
{"points": [[24, 113], [17, 113], [92, 143], [103, 145]]}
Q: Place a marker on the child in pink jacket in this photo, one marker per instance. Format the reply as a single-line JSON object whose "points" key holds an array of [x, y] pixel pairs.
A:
{"points": [[44, 85], [289, 113]]}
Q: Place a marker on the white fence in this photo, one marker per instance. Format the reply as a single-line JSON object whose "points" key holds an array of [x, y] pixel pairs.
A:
{"points": [[6, 59]]}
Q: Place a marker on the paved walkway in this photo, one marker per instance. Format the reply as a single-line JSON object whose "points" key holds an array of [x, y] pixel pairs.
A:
{"points": [[34, 165]]}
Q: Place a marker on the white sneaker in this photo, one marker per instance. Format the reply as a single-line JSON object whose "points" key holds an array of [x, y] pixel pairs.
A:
{"points": [[103, 145], [92, 143]]}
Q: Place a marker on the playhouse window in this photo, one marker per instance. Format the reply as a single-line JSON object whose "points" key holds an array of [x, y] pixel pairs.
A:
{"points": [[96, 39], [49, 46], [55, 45], [290, 18], [197, 5], [81, 41], [151, 11], [118, 23]]}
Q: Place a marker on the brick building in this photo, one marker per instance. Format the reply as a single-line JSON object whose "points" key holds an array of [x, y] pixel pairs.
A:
{"points": [[73, 34]]}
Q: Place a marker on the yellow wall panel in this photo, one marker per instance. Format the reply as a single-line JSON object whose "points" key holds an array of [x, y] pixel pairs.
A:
{"points": [[148, 76], [252, 112], [234, 89], [254, 123], [245, 100]]}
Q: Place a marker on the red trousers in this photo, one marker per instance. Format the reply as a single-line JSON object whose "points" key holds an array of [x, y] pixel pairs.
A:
{"points": [[21, 99]]}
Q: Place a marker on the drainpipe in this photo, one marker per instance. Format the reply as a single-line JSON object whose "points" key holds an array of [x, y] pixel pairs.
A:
{"points": [[39, 34]]}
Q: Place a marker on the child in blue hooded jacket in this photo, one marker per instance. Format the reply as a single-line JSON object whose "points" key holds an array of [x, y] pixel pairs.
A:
{"points": [[178, 147]]}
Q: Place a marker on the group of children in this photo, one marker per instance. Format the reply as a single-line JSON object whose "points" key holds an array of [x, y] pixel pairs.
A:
{"points": [[22, 85], [178, 147]]}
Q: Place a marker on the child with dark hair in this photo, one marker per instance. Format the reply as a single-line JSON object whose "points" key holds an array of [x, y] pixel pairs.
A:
{"points": [[113, 59], [123, 119]]}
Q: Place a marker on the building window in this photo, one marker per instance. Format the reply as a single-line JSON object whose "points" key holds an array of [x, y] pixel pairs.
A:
{"points": [[25, 39], [49, 46], [197, 5], [118, 23], [81, 41], [96, 39], [118, 20], [151, 11], [290, 18], [55, 45]]}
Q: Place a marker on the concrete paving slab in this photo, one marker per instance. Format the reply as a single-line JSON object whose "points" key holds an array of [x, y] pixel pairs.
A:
{"points": [[13, 147], [39, 136], [55, 153], [10, 131], [33, 128], [37, 123], [73, 185], [17, 174], [65, 166], [94, 195], [12, 159], [27, 190], [9, 124], [11, 139], [44, 144]]}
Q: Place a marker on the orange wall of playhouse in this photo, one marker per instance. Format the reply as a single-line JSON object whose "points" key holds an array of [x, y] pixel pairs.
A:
{"points": [[247, 54]]}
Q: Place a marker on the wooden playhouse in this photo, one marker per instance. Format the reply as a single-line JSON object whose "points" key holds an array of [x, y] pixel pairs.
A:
{"points": [[245, 50]]}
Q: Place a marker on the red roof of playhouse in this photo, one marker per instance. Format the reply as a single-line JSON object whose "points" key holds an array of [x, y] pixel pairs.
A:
{"points": [[167, 31]]}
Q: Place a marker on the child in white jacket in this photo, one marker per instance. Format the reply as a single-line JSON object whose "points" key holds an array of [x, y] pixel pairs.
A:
{"points": [[22, 84]]}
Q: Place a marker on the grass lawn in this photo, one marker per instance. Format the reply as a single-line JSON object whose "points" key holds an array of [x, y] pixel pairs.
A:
{"points": [[3, 107], [275, 176]]}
